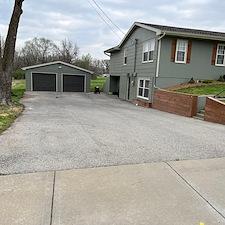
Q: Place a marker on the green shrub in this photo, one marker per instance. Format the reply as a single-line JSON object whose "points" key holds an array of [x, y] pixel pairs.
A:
{"points": [[207, 81], [221, 79], [19, 74], [191, 81]]}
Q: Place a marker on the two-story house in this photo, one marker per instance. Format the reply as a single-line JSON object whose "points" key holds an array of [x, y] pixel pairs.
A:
{"points": [[162, 56]]}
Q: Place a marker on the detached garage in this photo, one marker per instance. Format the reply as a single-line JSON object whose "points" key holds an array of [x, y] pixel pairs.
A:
{"points": [[57, 77]]}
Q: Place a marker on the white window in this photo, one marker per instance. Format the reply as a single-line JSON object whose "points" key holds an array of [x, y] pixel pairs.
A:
{"points": [[143, 89], [181, 51], [148, 51], [220, 56], [125, 57]]}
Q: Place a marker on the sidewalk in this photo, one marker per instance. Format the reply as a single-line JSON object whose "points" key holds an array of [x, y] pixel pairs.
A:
{"points": [[175, 193]]}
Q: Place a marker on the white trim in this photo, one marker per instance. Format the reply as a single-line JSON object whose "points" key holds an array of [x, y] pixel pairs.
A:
{"points": [[185, 53], [57, 82], [148, 43], [57, 62], [158, 58], [142, 97], [51, 73], [141, 78], [70, 74], [138, 24], [220, 65], [31, 81], [217, 50], [150, 61], [148, 27], [157, 31]]}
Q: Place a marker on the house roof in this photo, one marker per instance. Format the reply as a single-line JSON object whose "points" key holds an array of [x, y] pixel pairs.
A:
{"points": [[57, 62], [172, 31], [185, 30]]}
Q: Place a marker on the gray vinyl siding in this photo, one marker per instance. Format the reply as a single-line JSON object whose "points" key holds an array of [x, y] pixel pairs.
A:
{"points": [[55, 70], [200, 68], [143, 70], [116, 60]]}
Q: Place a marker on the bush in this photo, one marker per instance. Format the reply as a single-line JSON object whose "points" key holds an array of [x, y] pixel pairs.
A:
{"points": [[19, 74], [191, 81], [207, 81], [221, 79]]}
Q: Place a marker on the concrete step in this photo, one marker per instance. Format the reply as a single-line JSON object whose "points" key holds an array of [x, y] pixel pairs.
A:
{"points": [[200, 115], [202, 111], [198, 118]]}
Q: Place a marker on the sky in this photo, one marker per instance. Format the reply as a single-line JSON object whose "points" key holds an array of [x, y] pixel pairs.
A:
{"points": [[77, 21]]}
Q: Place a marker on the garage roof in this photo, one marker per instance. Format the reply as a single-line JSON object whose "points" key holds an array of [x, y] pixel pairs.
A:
{"points": [[57, 62]]}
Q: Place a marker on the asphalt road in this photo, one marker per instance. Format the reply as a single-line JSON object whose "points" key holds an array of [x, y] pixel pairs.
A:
{"points": [[76, 130]]}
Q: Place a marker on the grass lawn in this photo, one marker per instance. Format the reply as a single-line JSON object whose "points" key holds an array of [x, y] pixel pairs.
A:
{"points": [[210, 89], [9, 113], [99, 81]]}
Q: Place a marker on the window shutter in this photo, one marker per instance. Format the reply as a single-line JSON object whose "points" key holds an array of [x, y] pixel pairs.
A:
{"points": [[189, 51], [214, 51], [173, 50]]}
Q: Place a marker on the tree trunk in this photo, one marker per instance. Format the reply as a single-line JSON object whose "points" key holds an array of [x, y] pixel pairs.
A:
{"points": [[6, 61]]}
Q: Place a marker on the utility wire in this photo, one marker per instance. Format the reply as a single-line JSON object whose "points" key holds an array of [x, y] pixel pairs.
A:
{"points": [[104, 20], [100, 8]]}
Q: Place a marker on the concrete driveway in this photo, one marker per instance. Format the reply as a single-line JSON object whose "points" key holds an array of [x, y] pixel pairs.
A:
{"points": [[67, 131]]}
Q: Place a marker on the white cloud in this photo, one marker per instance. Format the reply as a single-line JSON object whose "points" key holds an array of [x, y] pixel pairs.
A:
{"points": [[3, 29], [76, 20]]}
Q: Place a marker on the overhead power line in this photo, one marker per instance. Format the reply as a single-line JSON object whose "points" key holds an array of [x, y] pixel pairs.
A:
{"points": [[104, 20], [100, 8]]}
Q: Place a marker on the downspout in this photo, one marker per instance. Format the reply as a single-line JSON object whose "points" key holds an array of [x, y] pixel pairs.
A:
{"points": [[132, 79], [157, 65], [158, 57], [135, 55]]}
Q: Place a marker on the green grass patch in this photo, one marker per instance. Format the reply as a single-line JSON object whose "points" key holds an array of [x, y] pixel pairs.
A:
{"points": [[210, 89], [8, 114], [18, 89], [99, 81]]}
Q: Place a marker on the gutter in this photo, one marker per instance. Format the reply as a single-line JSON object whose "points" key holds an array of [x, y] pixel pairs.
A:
{"points": [[106, 54], [197, 36]]}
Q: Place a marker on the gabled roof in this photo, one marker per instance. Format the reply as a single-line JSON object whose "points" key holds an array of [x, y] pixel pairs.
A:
{"points": [[188, 31], [172, 31], [57, 62]]}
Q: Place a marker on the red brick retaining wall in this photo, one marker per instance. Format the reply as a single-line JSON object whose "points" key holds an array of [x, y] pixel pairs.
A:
{"points": [[177, 103], [215, 111]]}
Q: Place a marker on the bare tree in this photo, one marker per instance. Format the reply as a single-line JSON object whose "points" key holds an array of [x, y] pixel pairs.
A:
{"points": [[68, 51], [38, 50], [6, 61], [84, 62], [106, 64]]}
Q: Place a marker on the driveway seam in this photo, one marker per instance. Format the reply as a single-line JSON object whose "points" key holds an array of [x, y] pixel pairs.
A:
{"points": [[53, 195], [195, 190]]}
